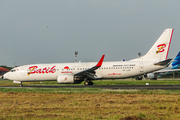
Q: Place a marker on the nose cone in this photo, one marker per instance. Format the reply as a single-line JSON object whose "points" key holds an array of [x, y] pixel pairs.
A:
{"points": [[6, 76]]}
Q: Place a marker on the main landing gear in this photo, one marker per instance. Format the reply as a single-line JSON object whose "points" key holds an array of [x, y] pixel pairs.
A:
{"points": [[88, 83], [21, 85], [139, 78]]}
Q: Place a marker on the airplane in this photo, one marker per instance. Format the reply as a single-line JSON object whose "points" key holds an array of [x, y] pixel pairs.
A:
{"points": [[174, 66], [74, 73]]}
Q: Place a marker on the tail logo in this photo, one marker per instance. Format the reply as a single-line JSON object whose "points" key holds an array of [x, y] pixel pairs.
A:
{"points": [[160, 48]]}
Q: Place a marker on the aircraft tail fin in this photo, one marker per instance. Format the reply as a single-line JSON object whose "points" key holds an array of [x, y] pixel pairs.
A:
{"points": [[159, 51], [176, 62]]}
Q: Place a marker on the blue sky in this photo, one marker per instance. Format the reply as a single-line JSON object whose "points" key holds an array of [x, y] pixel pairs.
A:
{"points": [[44, 31]]}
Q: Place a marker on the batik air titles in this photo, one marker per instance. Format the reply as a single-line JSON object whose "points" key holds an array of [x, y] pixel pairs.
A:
{"points": [[155, 59]]}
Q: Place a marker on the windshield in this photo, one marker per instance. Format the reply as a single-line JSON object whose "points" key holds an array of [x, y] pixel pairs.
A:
{"points": [[13, 70]]}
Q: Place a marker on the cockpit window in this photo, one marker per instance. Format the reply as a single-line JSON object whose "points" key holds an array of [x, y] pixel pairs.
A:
{"points": [[13, 70]]}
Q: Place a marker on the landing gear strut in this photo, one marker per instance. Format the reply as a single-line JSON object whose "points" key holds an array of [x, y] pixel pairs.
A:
{"points": [[139, 78], [21, 85]]}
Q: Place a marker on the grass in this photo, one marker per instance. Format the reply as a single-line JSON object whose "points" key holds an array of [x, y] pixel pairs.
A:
{"points": [[99, 82], [88, 91], [85, 106], [89, 103]]}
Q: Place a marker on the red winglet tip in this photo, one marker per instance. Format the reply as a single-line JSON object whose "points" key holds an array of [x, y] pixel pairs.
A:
{"points": [[100, 61]]}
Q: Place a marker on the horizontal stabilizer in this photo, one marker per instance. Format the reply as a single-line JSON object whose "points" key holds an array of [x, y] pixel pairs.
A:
{"points": [[164, 62], [165, 71]]}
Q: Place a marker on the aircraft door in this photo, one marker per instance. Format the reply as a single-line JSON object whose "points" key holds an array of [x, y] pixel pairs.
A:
{"points": [[141, 67]]}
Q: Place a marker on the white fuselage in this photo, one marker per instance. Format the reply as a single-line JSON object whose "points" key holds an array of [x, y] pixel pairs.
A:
{"points": [[108, 70], [153, 60]]}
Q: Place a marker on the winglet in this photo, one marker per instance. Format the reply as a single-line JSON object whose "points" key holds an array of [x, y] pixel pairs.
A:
{"points": [[100, 61]]}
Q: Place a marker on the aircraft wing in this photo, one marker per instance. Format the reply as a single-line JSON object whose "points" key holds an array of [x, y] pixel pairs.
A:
{"points": [[90, 73]]}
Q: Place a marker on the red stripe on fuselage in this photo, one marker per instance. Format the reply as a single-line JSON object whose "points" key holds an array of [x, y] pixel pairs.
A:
{"points": [[169, 44]]}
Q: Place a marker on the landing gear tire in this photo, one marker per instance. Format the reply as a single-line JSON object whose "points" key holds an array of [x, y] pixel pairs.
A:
{"points": [[86, 83], [90, 83], [138, 78]]}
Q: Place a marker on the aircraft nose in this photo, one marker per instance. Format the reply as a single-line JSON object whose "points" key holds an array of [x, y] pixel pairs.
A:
{"points": [[6, 76]]}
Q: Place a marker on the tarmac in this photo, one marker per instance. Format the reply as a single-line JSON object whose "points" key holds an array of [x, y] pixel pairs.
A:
{"points": [[150, 87]]}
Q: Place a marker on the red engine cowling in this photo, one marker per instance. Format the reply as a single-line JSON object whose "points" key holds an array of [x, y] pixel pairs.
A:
{"points": [[65, 79]]}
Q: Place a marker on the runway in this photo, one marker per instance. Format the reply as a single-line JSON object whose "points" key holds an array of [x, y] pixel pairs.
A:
{"points": [[150, 87]]}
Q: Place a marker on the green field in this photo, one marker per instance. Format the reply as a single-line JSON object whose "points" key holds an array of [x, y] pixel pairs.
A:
{"points": [[103, 82], [91, 90], [89, 103]]}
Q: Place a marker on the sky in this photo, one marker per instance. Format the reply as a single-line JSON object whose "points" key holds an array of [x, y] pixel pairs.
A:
{"points": [[50, 31]]}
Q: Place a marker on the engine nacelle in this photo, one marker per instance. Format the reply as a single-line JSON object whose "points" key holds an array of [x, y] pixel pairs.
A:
{"points": [[65, 79], [150, 76]]}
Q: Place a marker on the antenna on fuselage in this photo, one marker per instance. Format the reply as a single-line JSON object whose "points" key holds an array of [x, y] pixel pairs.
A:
{"points": [[139, 54], [76, 53]]}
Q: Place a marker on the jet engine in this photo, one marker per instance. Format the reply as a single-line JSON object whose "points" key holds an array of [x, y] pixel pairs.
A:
{"points": [[150, 76], [65, 79], [69, 79]]}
